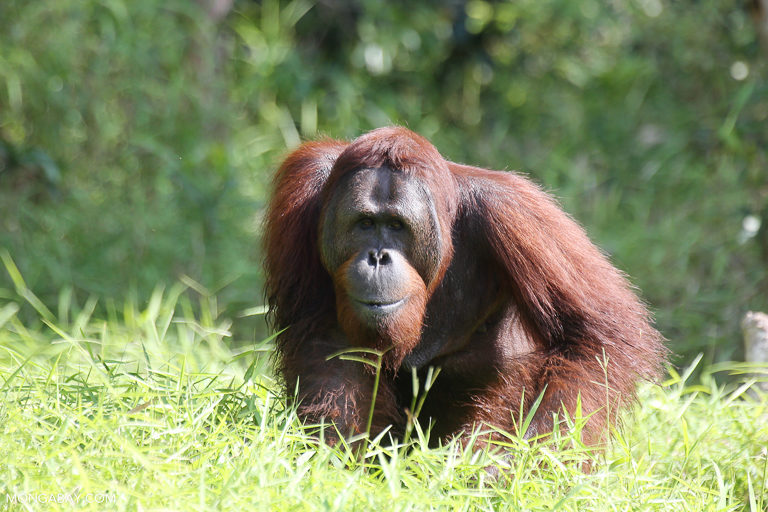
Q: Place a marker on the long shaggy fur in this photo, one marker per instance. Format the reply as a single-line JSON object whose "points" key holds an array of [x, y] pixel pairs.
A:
{"points": [[573, 327]]}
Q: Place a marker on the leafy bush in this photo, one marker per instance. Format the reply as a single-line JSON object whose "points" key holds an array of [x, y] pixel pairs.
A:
{"points": [[156, 130]]}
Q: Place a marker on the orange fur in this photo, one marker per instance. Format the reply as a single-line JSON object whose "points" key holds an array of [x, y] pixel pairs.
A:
{"points": [[551, 314]]}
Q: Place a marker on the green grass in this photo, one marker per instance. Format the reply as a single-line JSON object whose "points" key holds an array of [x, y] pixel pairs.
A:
{"points": [[155, 407]]}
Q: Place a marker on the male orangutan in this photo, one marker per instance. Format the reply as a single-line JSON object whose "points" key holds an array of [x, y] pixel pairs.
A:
{"points": [[382, 243]]}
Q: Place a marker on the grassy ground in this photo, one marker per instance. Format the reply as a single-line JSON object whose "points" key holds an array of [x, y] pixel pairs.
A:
{"points": [[152, 408]]}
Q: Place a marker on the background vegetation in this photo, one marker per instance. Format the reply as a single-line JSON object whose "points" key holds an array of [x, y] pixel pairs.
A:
{"points": [[137, 139]]}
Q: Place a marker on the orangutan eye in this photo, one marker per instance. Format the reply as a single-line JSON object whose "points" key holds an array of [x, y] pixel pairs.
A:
{"points": [[365, 223], [395, 225]]}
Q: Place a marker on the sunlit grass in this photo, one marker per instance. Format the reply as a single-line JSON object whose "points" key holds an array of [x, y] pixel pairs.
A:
{"points": [[156, 407]]}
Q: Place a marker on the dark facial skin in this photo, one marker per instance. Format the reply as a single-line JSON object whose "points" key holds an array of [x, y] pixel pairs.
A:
{"points": [[381, 223], [378, 227]]}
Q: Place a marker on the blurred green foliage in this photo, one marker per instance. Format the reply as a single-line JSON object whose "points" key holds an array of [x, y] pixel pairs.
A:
{"points": [[137, 139]]}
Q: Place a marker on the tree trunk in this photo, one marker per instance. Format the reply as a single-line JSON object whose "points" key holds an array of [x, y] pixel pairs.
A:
{"points": [[755, 328]]}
